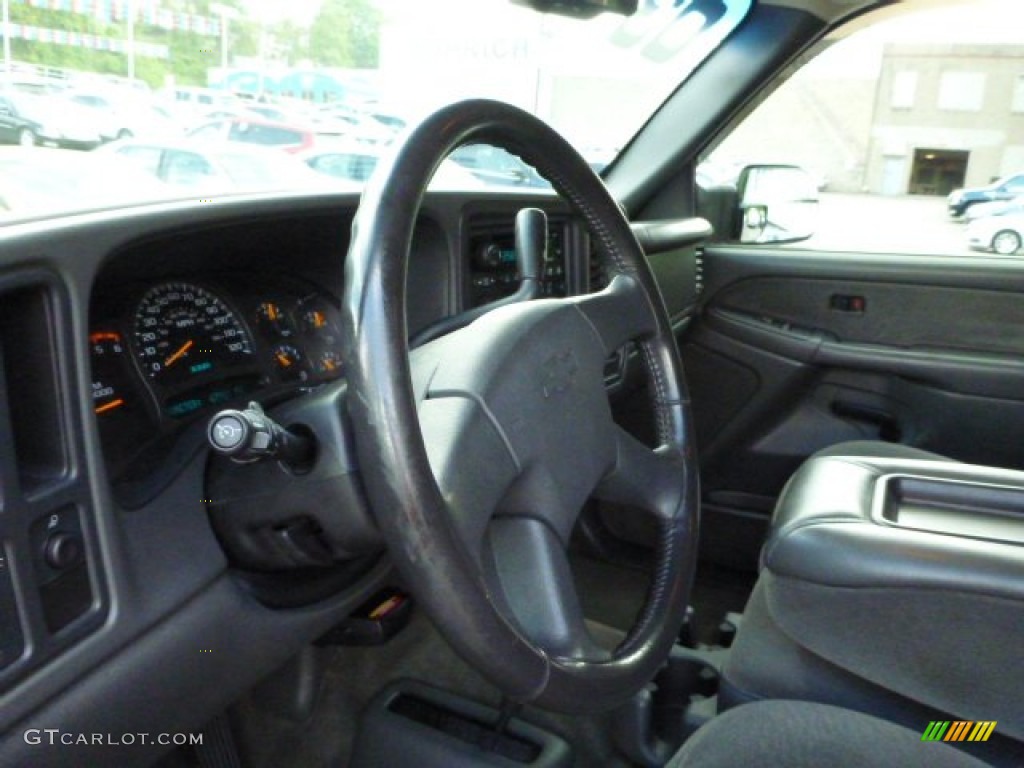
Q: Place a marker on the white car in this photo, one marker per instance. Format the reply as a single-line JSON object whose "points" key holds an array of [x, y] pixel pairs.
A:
{"points": [[1002, 234], [31, 119], [214, 167], [37, 181], [338, 120], [355, 161], [994, 208], [124, 117]]}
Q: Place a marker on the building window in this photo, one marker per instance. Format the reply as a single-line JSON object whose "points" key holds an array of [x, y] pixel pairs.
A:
{"points": [[1018, 94], [904, 88], [962, 91]]}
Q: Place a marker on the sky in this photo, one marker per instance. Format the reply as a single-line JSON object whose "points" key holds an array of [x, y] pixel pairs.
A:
{"points": [[980, 21], [301, 11]]}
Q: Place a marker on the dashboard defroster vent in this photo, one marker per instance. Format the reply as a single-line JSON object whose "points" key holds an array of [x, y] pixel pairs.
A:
{"points": [[31, 387], [46, 544]]}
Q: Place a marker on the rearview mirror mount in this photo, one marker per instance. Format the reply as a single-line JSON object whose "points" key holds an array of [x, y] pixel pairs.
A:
{"points": [[581, 9]]}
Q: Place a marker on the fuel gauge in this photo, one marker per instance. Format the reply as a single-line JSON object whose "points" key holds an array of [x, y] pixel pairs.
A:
{"points": [[123, 420], [109, 374]]}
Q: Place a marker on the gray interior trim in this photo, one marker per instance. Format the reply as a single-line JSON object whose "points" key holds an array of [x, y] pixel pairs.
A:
{"points": [[667, 234]]}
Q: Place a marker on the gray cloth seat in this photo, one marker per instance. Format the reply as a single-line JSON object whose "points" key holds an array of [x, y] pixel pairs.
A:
{"points": [[892, 583], [796, 734]]}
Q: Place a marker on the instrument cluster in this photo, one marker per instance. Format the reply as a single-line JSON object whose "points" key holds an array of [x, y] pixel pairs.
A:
{"points": [[182, 349]]}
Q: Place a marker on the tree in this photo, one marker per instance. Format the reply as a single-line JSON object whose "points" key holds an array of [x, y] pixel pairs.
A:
{"points": [[346, 33], [291, 38], [188, 60]]}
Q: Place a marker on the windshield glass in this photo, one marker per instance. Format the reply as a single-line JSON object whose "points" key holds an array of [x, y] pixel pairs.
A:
{"points": [[326, 84]]}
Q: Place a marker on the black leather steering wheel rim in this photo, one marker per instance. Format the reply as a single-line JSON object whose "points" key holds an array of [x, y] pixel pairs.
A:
{"points": [[385, 409]]}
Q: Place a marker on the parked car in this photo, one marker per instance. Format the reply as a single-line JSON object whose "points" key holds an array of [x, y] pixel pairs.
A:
{"points": [[266, 133], [124, 117], [267, 112], [355, 161], [200, 97], [239, 112], [211, 167], [497, 166], [394, 123], [39, 181], [1007, 188], [30, 82], [30, 119], [995, 208], [341, 120], [1001, 233]]}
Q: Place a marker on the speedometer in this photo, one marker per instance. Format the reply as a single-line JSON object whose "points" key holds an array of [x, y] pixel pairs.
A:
{"points": [[184, 333]]}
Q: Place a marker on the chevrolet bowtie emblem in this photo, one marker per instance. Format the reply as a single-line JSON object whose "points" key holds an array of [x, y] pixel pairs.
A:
{"points": [[558, 373]]}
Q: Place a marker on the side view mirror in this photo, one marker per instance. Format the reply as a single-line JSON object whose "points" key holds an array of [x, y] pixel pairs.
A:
{"points": [[776, 204]]}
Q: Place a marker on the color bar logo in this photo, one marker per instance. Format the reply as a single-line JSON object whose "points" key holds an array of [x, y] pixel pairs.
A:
{"points": [[959, 730]]}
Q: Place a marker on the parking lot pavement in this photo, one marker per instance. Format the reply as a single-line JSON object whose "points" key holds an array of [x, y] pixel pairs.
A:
{"points": [[875, 224]]}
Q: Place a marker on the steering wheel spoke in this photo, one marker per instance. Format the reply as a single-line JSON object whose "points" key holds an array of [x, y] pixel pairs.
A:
{"points": [[471, 463], [655, 480], [532, 572], [620, 313]]}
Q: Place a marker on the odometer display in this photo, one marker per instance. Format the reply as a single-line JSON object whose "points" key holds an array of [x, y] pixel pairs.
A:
{"points": [[184, 335]]}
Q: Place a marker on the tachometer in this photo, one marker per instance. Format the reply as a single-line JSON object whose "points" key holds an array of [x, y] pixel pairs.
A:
{"points": [[184, 333]]}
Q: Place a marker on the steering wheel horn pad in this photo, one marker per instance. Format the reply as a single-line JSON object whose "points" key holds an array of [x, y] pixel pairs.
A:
{"points": [[479, 449], [535, 369]]}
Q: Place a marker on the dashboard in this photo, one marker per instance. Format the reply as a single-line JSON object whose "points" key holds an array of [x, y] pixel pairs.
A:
{"points": [[120, 336], [128, 545], [166, 352], [212, 317]]}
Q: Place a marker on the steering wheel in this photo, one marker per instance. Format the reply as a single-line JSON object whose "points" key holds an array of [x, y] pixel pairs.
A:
{"points": [[478, 450]]}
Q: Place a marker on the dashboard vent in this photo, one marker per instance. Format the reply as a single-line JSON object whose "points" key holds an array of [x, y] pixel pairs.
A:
{"points": [[44, 495], [31, 387], [699, 273]]}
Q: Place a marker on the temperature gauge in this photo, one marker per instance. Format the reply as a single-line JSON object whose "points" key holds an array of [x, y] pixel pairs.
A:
{"points": [[288, 361]]}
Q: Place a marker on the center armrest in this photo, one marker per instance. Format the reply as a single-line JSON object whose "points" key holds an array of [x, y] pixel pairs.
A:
{"points": [[880, 522]]}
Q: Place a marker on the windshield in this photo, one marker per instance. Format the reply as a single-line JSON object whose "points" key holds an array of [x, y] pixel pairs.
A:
{"points": [[311, 75]]}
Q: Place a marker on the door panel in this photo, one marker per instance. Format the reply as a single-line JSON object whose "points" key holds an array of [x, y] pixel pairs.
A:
{"points": [[795, 351]]}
